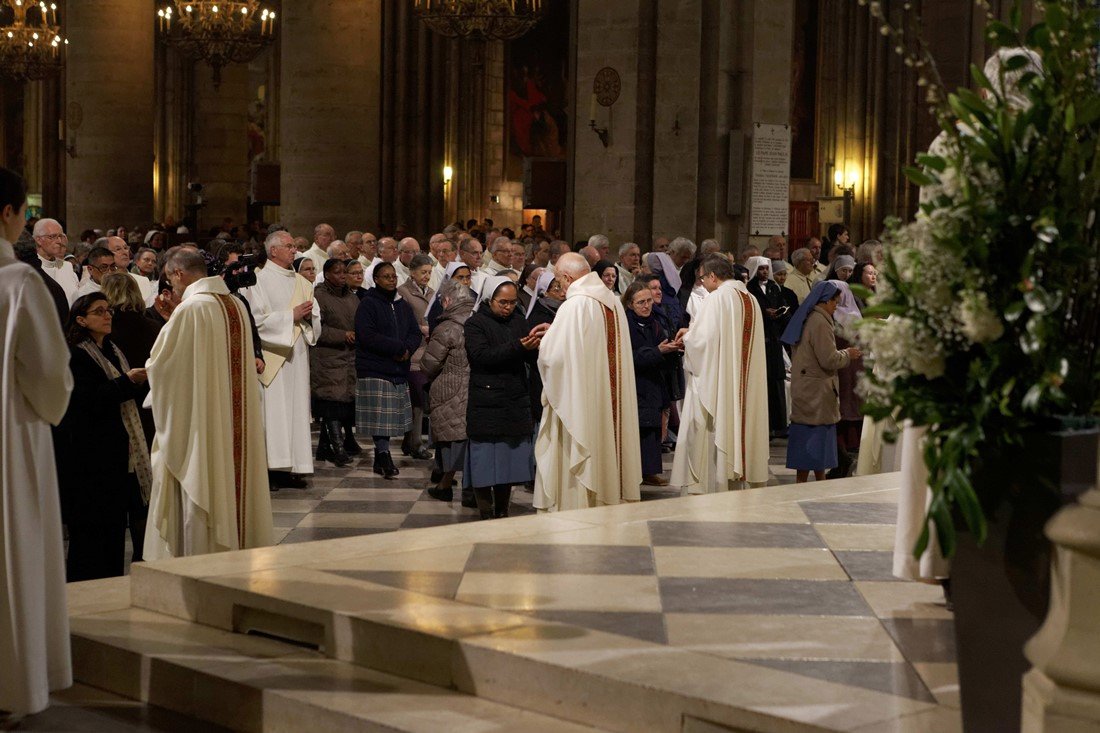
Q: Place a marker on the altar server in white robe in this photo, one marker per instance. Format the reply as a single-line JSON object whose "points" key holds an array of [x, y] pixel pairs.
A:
{"points": [[35, 384], [723, 441], [49, 239], [588, 451], [289, 321], [210, 489]]}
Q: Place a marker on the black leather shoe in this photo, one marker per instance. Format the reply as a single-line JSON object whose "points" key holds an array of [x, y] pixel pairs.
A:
{"points": [[439, 494], [468, 499], [384, 462], [350, 445], [338, 455]]}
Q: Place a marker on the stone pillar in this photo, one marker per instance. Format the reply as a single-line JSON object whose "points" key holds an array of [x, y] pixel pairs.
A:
{"points": [[330, 104], [220, 159], [1062, 690], [109, 114]]}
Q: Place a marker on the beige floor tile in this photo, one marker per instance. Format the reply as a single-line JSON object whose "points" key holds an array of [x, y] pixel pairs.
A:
{"points": [[883, 496], [857, 536], [373, 495], [523, 592], [98, 596], [933, 720], [783, 637], [451, 559], [365, 520], [633, 533], [294, 505], [789, 513], [904, 600], [942, 679], [278, 534], [747, 562]]}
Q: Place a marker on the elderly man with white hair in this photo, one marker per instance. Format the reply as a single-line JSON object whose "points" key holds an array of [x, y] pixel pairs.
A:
{"points": [[289, 322], [407, 248], [323, 236], [802, 276], [354, 240], [445, 251], [602, 245], [501, 250], [387, 252], [591, 406], [629, 264], [50, 241], [338, 250]]}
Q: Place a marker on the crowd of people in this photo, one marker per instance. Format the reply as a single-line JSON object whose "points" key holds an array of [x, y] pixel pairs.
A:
{"points": [[197, 371]]}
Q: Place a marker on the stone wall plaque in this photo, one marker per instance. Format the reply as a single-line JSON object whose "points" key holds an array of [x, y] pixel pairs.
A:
{"points": [[771, 179]]}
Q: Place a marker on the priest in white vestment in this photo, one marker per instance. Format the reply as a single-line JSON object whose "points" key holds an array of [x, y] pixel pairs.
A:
{"points": [[50, 241], [406, 250], [723, 440], [323, 236], [210, 489], [35, 384], [445, 255], [587, 452], [289, 321]]}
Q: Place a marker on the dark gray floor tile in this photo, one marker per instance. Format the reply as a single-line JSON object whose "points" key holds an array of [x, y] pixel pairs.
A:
{"points": [[732, 534], [375, 507], [381, 483], [744, 596], [309, 534], [824, 512], [895, 678], [287, 519], [923, 639], [441, 585], [561, 559], [867, 565], [416, 521], [644, 626], [313, 492]]}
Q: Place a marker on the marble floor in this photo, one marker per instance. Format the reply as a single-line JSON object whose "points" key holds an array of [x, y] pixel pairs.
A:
{"points": [[769, 609]]}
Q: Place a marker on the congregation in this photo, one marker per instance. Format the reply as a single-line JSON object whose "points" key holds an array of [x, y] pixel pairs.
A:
{"points": [[198, 370]]}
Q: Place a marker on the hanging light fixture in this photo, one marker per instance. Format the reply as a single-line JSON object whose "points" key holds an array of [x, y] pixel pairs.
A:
{"points": [[219, 32], [489, 20], [30, 51]]}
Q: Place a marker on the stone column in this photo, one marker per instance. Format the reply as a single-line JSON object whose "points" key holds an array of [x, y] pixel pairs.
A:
{"points": [[330, 102], [109, 114], [220, 158], [1062, 690]]}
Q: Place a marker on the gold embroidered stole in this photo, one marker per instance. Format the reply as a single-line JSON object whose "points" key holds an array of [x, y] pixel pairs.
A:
{"points": [[747, 328], [611, 323], [274, 360], [238, 373]]}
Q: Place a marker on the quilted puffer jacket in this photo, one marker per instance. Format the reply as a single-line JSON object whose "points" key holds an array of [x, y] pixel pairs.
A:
{"points": [[444, 360]]}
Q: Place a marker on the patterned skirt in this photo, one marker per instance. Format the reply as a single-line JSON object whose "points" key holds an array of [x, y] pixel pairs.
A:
{"points": [[382, 408]]}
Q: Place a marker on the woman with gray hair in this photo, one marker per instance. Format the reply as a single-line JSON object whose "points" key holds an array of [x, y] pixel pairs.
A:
{"points": [[445, 362]]}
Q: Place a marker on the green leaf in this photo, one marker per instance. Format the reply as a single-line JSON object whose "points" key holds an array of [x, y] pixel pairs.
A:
{"points": [[1071, 117], [1002, 35], [935, 162], [919, 177], [885, 309]]}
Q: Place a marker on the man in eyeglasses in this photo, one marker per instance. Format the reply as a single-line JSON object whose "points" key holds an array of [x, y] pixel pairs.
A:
{"points": [[50, 241], [123, 258], [100, 264]]}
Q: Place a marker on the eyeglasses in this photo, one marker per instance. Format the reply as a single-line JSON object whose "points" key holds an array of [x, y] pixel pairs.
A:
{"points": [[52, 237], [104, 311], [106, 268]]}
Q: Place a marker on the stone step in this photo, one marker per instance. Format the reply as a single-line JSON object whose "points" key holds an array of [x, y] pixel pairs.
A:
{"points": [[251, 683]]}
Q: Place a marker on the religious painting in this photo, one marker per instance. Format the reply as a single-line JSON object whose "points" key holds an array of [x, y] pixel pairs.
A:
{"points": [[804, 65], [536, 69]]}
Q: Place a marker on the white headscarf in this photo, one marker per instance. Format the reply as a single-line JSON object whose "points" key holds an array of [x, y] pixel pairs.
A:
{"points": [[755, 263], [540, 289], [450, 270], [489, 286], [662, 264]]}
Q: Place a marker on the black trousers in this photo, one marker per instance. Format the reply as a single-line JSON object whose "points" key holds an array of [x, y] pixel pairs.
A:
{"points": [[137, 512]]}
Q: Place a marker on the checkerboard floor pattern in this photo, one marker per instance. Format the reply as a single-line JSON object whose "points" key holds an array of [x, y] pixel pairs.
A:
{"points": [[350, 501]]}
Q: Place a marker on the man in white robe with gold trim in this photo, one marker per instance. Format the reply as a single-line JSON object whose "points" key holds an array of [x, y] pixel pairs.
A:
{"points": [[35, 384], [588, 451], [723, 440], [289, 321], [210, 490]]}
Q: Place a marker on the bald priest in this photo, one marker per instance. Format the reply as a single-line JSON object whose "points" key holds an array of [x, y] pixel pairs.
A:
{"points": [[587, 452]]}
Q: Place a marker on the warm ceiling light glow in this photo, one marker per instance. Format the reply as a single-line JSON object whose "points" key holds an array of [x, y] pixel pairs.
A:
{"points": [[448, 173]]}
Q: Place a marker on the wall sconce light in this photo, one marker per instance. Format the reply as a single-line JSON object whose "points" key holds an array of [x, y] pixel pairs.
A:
{"points": [[846, 179], [448, 173]]}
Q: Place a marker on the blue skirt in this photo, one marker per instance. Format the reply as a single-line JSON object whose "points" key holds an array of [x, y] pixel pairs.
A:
{"points": [[502, 462], [811, 447]]}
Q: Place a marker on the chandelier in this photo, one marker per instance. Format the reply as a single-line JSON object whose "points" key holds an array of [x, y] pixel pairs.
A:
{"points": [[219, 32], [31, 51], [490, 20]]}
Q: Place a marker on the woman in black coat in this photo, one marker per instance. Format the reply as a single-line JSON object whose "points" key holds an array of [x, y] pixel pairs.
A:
{"points": [[655, 350], [386, 337], [541, 311], [95, 479], [499, 347], [773, 308]]}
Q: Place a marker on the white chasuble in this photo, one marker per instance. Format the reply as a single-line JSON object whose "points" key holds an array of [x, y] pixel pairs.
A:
{"points": [[62, 273], [286, 354], [724, 426], [210, 488], [35, 384], [587, 452]]}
